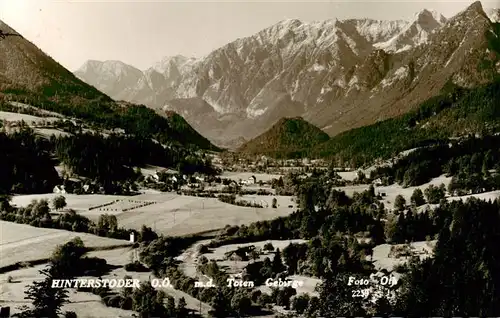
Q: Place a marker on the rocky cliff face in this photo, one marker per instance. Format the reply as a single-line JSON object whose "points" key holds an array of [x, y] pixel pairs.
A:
{"points": [[335, 74]]}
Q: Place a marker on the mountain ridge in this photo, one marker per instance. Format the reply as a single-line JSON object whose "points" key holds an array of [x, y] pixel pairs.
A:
{"points": [[332, 73]]}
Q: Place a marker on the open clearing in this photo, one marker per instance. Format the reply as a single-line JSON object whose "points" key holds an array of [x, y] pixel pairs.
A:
{"points": [[393, 190], [21, 242], [182, 215], [382, 260], [47, 132], [13, 117], [83, 303]]}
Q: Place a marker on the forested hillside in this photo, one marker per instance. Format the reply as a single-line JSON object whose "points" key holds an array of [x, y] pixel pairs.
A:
{"points": [[289, 137], [29, 75], [456, 112], [27, 160]]}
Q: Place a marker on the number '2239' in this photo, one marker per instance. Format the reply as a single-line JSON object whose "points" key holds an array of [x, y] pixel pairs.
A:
{"points": [[360, 293]]}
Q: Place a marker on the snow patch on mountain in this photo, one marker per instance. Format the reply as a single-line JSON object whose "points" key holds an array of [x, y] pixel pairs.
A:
{"points": [[340, 82], [417, 33], [493, 14], [399, 74], [377, 30], [354, 80], [316, 68], [178, 61]]}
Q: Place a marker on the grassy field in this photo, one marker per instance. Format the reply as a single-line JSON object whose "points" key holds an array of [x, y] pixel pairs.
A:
{"points": [[168, 213], [487, 196], [84, 304], [181, 215], [20, 242], [47, 132], [13, 117]]}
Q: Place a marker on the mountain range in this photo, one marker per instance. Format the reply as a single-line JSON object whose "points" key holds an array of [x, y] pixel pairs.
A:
{"points": [[336, 74]]}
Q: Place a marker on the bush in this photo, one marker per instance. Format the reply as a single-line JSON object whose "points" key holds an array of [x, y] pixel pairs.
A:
{"points": [[269, 247], [136, 267]]}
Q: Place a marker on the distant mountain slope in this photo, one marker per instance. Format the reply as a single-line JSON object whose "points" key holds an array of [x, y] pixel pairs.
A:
{"points": [[25, 67], [454, 113], [289, 136], [29, 75], [336, 74], [112, 77]]}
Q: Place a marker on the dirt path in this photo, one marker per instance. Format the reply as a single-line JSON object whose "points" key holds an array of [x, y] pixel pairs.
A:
{"points": [[189, 257]]}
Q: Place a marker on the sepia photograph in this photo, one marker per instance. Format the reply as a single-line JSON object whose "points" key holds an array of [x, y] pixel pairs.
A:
{"points": [[309, 159]]}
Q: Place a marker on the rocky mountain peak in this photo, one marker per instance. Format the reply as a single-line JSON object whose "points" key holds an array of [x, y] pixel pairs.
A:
{"points": [[336, 74], [429, 16], [494, 14], [473, 11], [6, 28]]}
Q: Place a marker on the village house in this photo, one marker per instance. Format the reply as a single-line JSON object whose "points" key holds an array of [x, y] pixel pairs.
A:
{"points": [[377, 182], [252, 180], [59, 189]]}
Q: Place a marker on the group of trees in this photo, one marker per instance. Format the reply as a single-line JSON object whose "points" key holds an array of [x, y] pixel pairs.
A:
{"points": [[460, 279], [27, 160], [38, 213], [146, 300], [26, 165], [110, 159], [456, 111], [469, 160], [231, 199], [65, 263]]}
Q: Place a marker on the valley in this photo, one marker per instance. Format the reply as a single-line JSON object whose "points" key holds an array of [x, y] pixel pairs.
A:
{"points": [[363, 175]]}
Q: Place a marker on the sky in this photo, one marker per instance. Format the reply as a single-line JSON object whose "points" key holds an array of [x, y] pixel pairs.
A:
{"points": [[141, 33]]}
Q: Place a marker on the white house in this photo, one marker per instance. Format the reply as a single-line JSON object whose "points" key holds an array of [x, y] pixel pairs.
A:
{"points": [[156, 176], [59, 189], [252, 180], [132, 237]]}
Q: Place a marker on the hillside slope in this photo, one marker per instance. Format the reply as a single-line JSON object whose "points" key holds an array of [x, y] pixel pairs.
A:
{"points": [[287, 137], [455, 113], [29, 75]]}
